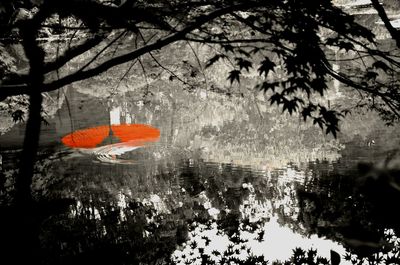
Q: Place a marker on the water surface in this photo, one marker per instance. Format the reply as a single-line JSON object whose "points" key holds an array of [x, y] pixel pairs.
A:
{"points": [[224, 176]]}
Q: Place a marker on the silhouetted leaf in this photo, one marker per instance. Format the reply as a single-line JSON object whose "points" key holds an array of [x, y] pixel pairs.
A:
{"points": [[290, 105], [297, 252], [193, 244], [306, 112], [346, 112], [319, 121], [45, 122], [260, 236], [265, 86], [214, 59], [276, 98], [332, 41], [330, 116], [242, 63], [311, 253], [332, 128], [234, 75], [266, 66]]}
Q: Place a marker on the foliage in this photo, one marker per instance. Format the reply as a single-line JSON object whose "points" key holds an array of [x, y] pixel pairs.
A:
{"points": [[293, 46]]}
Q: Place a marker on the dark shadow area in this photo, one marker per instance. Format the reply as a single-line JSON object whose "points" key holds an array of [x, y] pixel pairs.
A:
{"points": [[354, 204]]}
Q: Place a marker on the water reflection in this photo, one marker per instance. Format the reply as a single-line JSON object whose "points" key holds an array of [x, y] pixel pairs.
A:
{"points": [[273, 242], [210, 199], [211, 181], [354, 208]]}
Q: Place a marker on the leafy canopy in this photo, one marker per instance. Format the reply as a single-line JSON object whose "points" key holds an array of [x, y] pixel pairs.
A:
{"points": [[295, 47]]}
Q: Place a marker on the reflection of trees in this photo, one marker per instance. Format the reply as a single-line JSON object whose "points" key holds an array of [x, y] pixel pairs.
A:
{"points": [[184, 189], [183, 186], [246, 199], [349, 205], [104, 233]]}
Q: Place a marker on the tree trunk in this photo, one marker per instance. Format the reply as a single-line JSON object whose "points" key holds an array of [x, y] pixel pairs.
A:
{"points": [[27, 221], [35, 55], [30, 147]]}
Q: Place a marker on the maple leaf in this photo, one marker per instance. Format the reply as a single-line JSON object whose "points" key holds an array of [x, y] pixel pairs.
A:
{"points": [[346, 112], [306, 112], [214, 59], [290, 105], [332, 128], [234, 75], [265, 86], [216, 253], [276, 98], [319, 121], [332, 41], [266, 66], [242, 63]]}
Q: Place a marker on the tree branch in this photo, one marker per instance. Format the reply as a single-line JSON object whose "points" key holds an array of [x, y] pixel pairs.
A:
{"points": [[73, 52], [357, 86], [228, 41], [386, 21], [162, 42], [176, 36], [101, 51]]}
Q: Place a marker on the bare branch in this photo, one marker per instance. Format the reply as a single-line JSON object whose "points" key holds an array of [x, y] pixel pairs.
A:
{"points": [[101, 51], [73, 52], [199, 63], [168, 70], [144, 74]]}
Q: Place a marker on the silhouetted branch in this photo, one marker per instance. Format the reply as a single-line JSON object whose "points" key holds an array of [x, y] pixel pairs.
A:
{"points": [[101, 51], [227, 41], [73, 52], [357, 86], [126, 73], [386, 21], [199, 63], [144, 74], [162, 42]]}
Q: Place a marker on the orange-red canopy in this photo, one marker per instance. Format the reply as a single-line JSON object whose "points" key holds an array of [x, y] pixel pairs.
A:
{"points": [[131, 134]]}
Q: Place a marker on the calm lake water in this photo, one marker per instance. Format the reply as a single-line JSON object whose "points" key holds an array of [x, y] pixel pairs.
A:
{"points": [[227, 177]]}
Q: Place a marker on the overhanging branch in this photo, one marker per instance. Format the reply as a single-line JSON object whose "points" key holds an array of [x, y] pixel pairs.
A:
{"points": [[176, 36], [73, 52], [386, 21], [388, 101]]}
